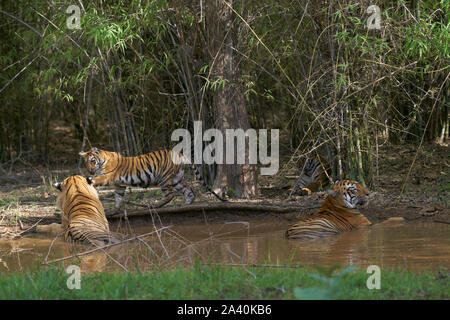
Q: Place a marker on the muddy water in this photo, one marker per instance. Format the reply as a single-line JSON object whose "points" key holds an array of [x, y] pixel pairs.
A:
{"points": [[410, 245]]}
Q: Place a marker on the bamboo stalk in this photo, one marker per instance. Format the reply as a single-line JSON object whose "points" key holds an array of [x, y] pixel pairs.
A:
{"points": [[360, 169]]}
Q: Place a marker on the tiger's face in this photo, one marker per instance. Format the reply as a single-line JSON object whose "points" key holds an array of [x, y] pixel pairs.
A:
{"points": [[350, 193], [94, 163]]}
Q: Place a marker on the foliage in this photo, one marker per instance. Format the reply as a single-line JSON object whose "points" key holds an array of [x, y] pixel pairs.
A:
{"points": [[331, 282], [137, 70]]}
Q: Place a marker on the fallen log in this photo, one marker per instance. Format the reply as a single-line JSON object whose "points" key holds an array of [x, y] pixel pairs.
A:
{"points": [[441, 221], [217, 206]]}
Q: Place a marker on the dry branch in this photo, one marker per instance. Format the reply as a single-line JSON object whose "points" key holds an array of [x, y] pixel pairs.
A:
{"points": [[103, 247]]}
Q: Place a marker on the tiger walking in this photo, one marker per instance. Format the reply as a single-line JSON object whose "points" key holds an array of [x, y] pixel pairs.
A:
{"points": [[164, 168]]}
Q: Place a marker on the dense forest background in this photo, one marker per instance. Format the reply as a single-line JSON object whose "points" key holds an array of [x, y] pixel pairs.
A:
{"points": [[136, 70]]}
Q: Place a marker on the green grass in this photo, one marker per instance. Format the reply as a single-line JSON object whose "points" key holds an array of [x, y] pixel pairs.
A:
{"points": [[216, 282]]}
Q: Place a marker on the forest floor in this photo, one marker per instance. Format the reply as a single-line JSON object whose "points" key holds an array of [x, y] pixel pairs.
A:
{"points": [[27, 197]]}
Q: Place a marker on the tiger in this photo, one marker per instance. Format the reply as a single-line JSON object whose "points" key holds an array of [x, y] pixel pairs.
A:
{"points": [[164, 168], [337, 214], [83, 217], [314, 174]]}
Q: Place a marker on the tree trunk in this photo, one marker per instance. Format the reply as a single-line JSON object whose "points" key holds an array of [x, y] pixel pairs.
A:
{"points": [[239, 179]]}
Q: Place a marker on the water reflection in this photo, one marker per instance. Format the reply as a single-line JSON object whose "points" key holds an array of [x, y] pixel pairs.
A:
{"points": [[414, 246], [346, 249], [25, 253]]}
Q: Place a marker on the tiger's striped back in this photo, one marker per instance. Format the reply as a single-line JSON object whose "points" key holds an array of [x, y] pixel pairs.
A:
{"points": [[84, 218], [337, 214], [144, 170]]}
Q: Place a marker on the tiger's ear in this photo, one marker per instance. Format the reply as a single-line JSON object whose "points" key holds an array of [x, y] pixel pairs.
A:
{"points": [[90, 180], [82, 153], [336, 181], [95, 150], [58, 186]]}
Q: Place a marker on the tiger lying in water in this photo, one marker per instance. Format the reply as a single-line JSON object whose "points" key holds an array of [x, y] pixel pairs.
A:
{"points": [[337, 214], [164, 168], [83, 217]]}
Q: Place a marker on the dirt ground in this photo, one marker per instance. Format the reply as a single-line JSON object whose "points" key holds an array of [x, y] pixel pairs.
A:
{"points": [[27, 197]]}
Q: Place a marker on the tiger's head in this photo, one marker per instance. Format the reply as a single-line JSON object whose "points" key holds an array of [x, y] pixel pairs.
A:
{"points": [[95, 161], [72, 184], [348, 194]]}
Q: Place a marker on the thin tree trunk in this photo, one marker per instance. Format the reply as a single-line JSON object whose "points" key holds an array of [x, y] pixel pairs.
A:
{"points": [[241, 179], [86, 121]]}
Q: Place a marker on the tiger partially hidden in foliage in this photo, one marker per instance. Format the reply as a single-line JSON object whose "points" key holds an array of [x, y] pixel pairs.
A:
{"points": [[164, 168], [83, 217], [337, 214], [314, 174]]}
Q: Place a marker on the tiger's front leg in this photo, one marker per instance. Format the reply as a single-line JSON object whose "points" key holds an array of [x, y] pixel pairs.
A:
{"points": [[310, 188], [119, 193], [100, 180]]}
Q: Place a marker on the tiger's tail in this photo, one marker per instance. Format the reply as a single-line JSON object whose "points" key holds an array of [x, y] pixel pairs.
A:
{"points": [[199, 177], [177, 158]]}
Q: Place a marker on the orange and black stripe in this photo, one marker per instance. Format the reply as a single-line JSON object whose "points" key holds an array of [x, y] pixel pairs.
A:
{"points": [[164, 168], [84, 219], [337, 214]]}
